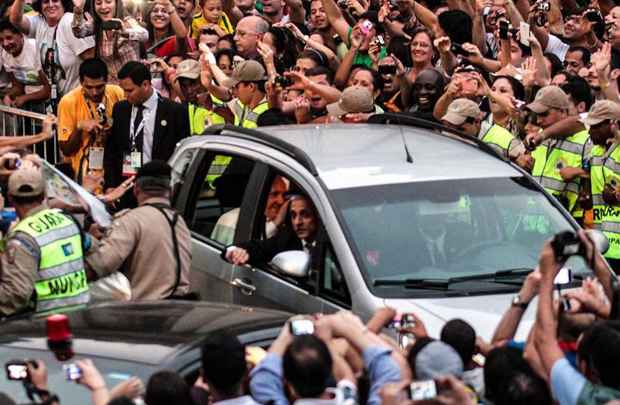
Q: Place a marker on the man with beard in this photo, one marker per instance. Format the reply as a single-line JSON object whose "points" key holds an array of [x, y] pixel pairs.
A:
{"points": [[602, 120], [389, 99], [249, 32], [84, 114], [273, 10], [427, 89]]}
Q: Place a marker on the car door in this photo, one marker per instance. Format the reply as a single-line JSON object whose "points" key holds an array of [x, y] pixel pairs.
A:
{"points": [[213, 202], [266, 286]]}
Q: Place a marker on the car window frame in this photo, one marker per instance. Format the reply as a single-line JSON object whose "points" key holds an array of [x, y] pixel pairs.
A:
{"points": [[191, 190]]}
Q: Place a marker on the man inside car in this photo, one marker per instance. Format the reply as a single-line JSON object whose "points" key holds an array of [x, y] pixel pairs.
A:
{"points": [[298, 233]]}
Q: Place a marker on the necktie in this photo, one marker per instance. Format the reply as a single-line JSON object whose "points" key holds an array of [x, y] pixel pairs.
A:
{"points": [[136, 124]]}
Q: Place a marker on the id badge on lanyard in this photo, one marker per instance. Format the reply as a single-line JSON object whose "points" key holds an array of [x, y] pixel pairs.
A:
{"points": [[131, 163], [95, 158]]}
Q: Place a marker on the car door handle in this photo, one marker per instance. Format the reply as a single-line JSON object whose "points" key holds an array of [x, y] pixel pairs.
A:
{"points": [[245, 285]]}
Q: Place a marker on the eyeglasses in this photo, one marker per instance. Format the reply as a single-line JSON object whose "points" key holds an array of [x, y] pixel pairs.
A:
{"points": [[544, 114]]}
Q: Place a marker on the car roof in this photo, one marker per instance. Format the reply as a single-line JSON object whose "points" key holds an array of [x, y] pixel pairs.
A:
{"points": [[357, 155], [145, 332]]}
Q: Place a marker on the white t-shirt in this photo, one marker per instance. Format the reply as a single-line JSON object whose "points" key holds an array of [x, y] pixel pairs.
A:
{"points": [[67, 49], [25, 67], [557, 47]]}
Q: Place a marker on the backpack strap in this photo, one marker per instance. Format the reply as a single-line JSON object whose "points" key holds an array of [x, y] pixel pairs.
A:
{"points": [[175, 243]]}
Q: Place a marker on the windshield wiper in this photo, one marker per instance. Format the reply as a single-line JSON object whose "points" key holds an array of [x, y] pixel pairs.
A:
{"points": [[444, 283]]}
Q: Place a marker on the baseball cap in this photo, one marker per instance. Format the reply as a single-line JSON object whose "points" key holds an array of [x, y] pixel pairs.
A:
{"points": [[437, 359], [461, 109], [601, 111], [189, 69], [248, 71], [353, 99], [26, 182], [549, 97]]}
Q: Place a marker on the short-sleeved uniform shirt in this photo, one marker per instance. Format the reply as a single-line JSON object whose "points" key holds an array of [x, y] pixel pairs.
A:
{"points": [[73, 108]]}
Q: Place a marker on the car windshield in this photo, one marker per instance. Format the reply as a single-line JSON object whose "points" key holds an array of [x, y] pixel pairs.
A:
{"points": [[416, 239], [113, 371]]}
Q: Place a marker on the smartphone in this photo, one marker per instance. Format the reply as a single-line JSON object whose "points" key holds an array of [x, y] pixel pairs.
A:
{"points": [[366, 27], [524, 33], [72, 372], [593, 15], [379, 40], [111, 25], [503, 29], [564, 276], [457, 49], [301, 327], [421, 390], [16, 370]]}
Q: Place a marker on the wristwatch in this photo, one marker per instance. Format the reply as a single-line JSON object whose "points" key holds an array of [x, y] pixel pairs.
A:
{"points": [[519, 303]]}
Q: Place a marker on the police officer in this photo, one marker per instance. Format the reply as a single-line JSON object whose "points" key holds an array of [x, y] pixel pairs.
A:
{"points": [[602, 120], [465, 116], [42, 266], [248, 83], [150, 244], [556, 161]]}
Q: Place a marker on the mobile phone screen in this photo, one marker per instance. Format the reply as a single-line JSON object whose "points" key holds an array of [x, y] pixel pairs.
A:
{"points": [[16, 371], [420, 390]]}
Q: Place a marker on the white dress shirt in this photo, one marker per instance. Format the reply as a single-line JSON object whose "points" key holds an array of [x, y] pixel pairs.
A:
{"points": [[149, 113]]}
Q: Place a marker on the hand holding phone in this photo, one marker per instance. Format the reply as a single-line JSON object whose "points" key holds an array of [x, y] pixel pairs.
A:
{"points": [[422, 390], [503, 29], [72, 372], [301, 327]]}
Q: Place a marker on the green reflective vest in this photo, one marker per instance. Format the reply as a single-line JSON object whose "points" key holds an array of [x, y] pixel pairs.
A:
{"points": [[61, 279], [499, 138], [550, 157], [244, 116], [200, 117], [605, 170]]}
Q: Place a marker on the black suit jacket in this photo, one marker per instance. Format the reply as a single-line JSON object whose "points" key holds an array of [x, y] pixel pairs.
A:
{"points": [[262, 251], [171, 125]]}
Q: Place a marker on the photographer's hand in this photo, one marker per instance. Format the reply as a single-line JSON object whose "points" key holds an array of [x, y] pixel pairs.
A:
{"points": [[38, 374], [601, 269]]}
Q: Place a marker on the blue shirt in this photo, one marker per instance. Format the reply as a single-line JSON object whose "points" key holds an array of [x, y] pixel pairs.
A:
{"points": [[566, 382], [266, 379]]}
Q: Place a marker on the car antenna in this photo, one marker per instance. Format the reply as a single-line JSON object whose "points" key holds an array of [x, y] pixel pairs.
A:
{"points": [[409, 159]]}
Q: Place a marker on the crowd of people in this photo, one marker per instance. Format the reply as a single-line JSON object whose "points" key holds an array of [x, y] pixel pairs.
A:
{"points": [[124, 81]]}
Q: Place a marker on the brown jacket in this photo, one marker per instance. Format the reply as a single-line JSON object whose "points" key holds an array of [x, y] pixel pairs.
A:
{"points": [[139, 244]]}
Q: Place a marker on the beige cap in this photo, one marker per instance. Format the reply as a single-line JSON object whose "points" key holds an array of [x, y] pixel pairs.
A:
{"points": [[248, 71], [461, 109], [353, 99], [601, 111], [189, 69], [549, 97], [27, 182]]}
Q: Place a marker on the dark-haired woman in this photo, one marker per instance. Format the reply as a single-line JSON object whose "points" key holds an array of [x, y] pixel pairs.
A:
{"points": [[118, 37], [60, 50]]}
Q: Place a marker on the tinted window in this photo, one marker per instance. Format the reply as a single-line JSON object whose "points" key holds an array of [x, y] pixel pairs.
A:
{"points": [[223, 183], [444, 229]]}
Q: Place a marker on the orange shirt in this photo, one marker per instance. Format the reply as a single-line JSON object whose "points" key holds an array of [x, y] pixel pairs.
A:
{"points": [[73, 108]]}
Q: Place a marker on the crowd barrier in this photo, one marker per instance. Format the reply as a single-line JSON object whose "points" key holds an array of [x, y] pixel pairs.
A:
{"points": [[18, 122]]}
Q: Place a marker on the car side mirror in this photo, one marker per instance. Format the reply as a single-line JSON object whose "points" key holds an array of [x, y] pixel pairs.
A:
{"points": [[294, 263]]}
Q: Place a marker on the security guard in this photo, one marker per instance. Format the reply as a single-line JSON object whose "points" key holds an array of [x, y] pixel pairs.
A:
{"points": [[248, 83], [556, 161], [188, 77], [150, 244], [43, 263], [602, 120], [465, 116]]}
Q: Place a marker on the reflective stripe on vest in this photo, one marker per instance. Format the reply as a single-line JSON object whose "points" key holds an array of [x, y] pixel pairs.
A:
{"points": [[245, 117], [605, 170], [61, 279], [499, 139], [550, 158]]}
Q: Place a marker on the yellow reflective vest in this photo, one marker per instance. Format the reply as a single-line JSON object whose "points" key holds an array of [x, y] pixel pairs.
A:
{"points": [[61, 278], [245, 117], [500, 139], [605, 170], [552, 156]]}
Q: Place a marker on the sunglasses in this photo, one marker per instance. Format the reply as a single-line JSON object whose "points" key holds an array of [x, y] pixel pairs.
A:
{"points": [[543, 114]]}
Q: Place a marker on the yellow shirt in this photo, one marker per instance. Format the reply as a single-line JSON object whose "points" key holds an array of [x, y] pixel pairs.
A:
{"points": [[199, 21], [73, 109]]}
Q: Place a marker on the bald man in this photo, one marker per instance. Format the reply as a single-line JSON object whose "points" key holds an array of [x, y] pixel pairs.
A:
{"points": [[249, 32]]}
